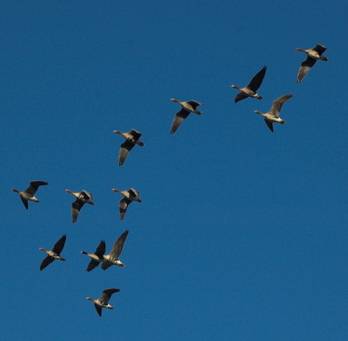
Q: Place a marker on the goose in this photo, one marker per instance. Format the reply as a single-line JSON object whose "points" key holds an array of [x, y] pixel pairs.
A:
{"points": [[82, 198], [132, 138], [113, 257], [53, 254], [313, 55], [29, 193], [251, 88], [273, 115], [97, 256], [186, 108], [103, 300], [128, 196]]}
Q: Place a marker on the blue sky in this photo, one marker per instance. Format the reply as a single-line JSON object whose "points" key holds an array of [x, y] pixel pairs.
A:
{"points": [[241, 233]]}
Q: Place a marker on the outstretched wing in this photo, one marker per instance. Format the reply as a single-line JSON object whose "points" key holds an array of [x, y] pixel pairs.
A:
{"points": [[76, 207], [255, 83], [92, 264], [34, 185], [48, 260], [306, 65], [277, 105], [126, 147], [106, 295], [118, 245], [59, 245], [123, 207], [100, 249], [98, 308], [240, 96], [269, 124], [25, 202], [106, 265], [178, 118]]}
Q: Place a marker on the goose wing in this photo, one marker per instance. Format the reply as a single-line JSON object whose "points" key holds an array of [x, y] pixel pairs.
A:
{"points": [[106, 295], [118, 245], [126, 147], [106, 265], [178, 118], [25, 202], [98, 308], [240, 96], [76, 207], [306, 65], [123, 207], [47, 260], [100, 250], [194, 104], [320, 49], [277, 105], [256, 81], [34, 185], [59, 245], [136, 134], [269, 124], [133, 192], [92, 264], [86, 195]]}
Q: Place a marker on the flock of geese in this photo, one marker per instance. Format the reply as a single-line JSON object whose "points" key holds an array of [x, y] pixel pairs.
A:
{"points": [[128, 196], [272, 116]]}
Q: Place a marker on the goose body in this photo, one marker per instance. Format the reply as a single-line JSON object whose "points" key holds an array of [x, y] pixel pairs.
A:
{"points": [[132, 138], [313, 55], [82, 198], [251, 88], [129, 196], [53, 254], [103, 300], [273, 115], [29, 193], [187, 108], [113, 258], [97, 256]]}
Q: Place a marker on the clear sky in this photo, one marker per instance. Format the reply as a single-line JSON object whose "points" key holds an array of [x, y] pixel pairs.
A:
{"points": [[241, 233]]}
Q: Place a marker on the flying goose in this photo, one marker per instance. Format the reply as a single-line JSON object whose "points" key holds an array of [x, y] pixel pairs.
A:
{"points": [[128, 196], [103, 300], [273, 115], [132, 138], [186, 108], [53, 254], [313, 55], [97, 256], [82, 198], [113, 257], [251, 88], [29, 193]]}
